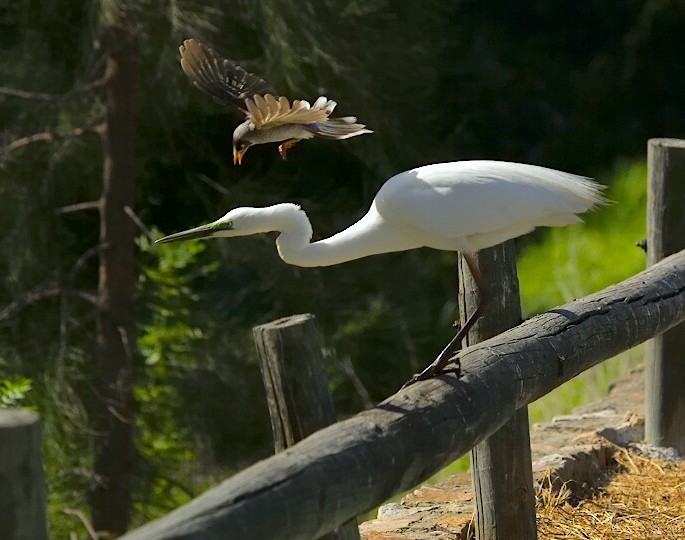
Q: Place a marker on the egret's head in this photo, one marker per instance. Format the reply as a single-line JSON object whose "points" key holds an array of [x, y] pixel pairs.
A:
{"points": [[241, 141], [238, 222]]}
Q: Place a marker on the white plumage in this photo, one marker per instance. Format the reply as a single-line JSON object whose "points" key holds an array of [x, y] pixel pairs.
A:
{"points": [[460, 206], [471, 205]]}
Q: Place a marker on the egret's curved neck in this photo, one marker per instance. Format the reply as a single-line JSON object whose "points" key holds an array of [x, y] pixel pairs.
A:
{"points": [[368, 236]]}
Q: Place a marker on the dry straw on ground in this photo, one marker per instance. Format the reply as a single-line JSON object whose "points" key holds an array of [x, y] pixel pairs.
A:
{"points": [[641, 499]]}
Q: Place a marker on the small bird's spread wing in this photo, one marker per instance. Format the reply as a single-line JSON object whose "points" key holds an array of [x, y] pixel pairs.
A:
{"points": [[226, 81], [268, 110]]}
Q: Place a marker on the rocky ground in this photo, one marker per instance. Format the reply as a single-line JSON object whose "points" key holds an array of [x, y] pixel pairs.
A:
{"points": [[574, 450]]}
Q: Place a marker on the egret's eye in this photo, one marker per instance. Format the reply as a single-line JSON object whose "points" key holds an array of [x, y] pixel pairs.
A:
{"points": [[223, 226]]}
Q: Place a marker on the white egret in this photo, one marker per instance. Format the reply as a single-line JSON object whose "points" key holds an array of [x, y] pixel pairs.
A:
{"points": [[268, 116], [461, 206]]}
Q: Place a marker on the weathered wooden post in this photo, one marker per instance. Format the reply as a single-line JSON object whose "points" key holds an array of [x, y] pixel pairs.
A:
{"points": [[22, 484], [296, 384], [665, 354], [501, 465]]}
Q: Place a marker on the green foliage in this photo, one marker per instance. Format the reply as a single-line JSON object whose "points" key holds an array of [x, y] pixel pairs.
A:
{"points": [[13, 392], [169, 338], [167, 277]]}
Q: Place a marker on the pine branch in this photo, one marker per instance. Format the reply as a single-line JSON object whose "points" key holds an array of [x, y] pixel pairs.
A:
{"points": [[15, 92], [46, 290], [49, 136], [87, 205], [79, 88], [84, 521]]}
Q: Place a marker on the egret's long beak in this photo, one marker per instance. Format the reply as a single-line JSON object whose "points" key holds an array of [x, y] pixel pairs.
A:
{"points": [[238, 157], [204, 231]]}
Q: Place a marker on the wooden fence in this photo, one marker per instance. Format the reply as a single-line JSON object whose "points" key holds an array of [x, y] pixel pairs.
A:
{"points": [[353, 466], [321, 483]]}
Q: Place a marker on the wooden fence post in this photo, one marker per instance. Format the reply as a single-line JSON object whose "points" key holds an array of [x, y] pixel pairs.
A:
{"points": [[22, 484], [501, 465], [297, 389], [665, 354]]}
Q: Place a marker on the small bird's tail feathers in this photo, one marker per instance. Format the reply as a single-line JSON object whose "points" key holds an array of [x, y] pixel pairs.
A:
{"points": [[338, 128]]}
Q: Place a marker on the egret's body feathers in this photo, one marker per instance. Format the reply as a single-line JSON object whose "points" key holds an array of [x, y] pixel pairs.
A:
{"points": [[460, 206], [478, 204]]}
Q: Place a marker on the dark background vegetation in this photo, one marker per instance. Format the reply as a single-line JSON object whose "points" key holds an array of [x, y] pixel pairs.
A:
{"points": [[575, 85]]}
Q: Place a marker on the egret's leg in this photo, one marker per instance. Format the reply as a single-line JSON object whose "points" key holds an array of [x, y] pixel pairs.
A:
{"points": [[283, 147], [450, 354]]}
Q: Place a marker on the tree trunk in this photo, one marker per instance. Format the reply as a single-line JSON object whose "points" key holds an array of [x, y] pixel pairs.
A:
{"points": [[110, 498]]}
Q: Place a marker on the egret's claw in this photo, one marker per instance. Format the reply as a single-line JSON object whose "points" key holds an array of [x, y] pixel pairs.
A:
{"points": [[434, 370]]}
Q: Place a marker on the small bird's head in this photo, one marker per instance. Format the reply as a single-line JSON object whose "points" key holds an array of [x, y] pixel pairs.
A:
{"points": [[241, 141]]}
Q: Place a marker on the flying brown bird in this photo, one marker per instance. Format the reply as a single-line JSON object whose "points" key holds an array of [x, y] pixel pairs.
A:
{"points": [[268, 117]]}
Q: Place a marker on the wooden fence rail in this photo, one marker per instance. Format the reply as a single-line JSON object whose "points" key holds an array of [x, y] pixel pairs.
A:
{"points": [[353, 466]]}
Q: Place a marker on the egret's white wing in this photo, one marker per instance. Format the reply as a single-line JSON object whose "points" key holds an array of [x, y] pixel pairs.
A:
{"points": [[462, 199]]}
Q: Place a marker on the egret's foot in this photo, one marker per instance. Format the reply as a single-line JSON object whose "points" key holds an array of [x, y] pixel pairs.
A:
{"points": [[283, 147], [435, 369], [449, 355]]}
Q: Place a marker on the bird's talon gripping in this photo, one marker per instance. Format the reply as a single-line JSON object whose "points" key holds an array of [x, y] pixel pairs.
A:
{"points": [[434, 370], [457, 366], [426, 374]]}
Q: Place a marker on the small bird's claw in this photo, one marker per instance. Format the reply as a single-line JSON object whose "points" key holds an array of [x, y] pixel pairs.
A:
{"points": [[283, 148]]}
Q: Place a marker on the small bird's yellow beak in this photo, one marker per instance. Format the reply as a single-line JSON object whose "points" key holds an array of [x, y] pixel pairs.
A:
{"points": [[238, 157]]}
